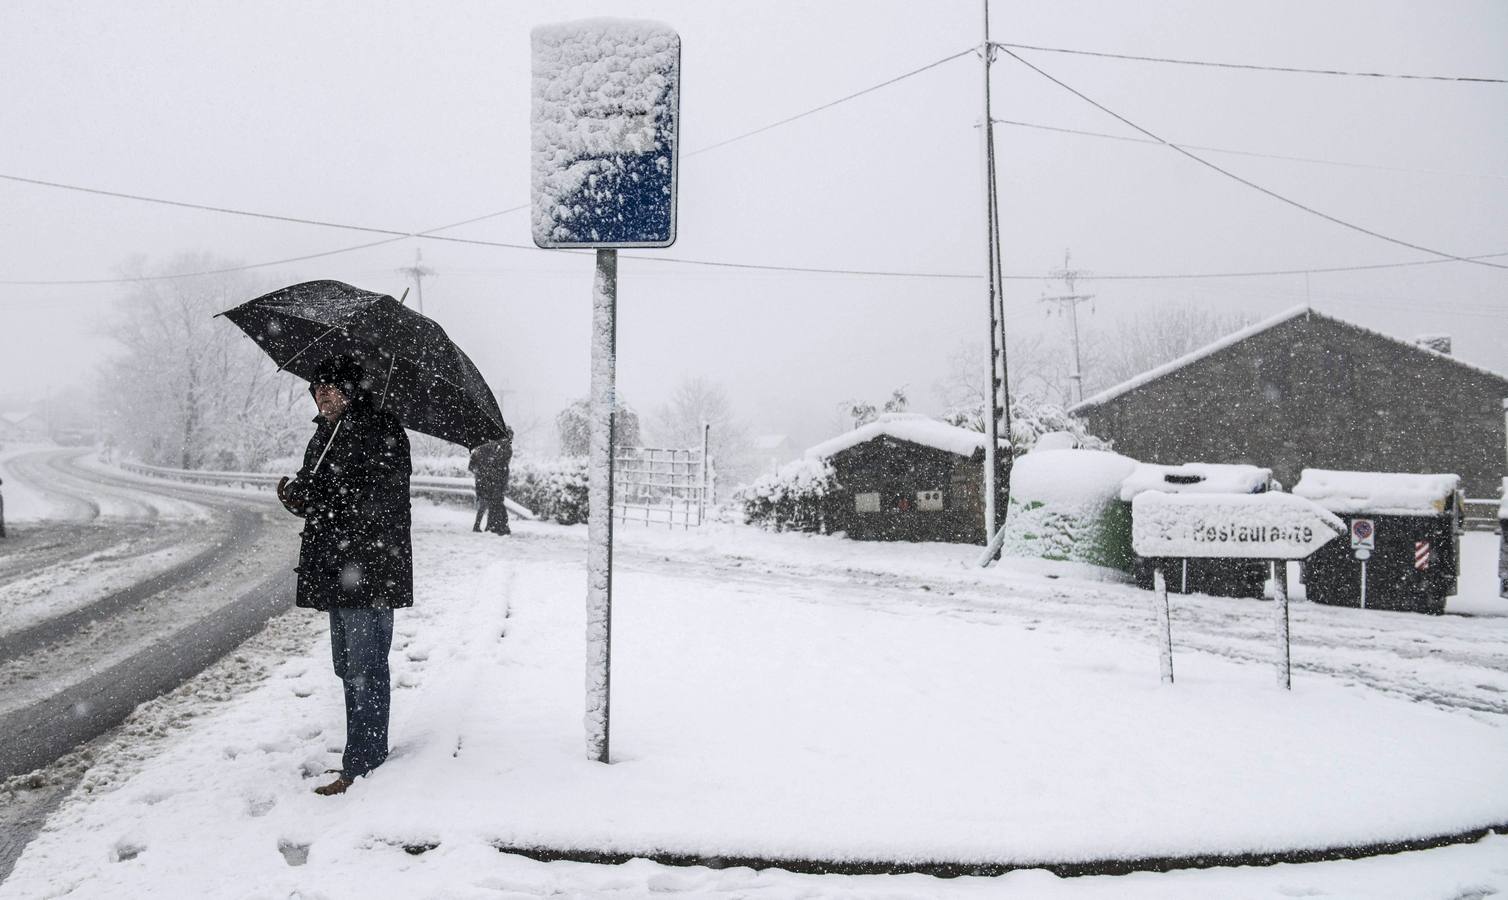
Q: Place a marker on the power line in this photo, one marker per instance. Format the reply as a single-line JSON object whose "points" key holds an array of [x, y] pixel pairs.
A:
{"points": [[1257, 68], [832, 103], [397, 236], [1286, 158], [433, 233], [1251, 184]]}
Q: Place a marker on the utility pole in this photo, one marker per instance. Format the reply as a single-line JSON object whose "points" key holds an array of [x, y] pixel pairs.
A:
{"points": [[418, 272], [994, 407], [1071, 300]]}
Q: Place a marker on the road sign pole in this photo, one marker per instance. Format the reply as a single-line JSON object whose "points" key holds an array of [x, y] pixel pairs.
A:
{"points": [[1280, 600], [599, 568], [1363, 584], [1164, 623]]}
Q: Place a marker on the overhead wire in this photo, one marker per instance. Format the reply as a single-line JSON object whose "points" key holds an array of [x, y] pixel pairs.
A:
{"points": [[431, 233], [1279, 156], [1252, 67], [1245, 181], [393, 235]]}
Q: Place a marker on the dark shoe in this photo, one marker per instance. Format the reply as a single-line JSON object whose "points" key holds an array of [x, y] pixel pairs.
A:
{"points": [[338, 786]]}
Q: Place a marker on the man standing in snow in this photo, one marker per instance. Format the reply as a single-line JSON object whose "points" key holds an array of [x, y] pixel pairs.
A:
{"points": [[489, 463], [356, 561]]}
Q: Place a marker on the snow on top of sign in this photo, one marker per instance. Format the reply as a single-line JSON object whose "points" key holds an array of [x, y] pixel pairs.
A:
{"points": [[1196, 478], [1385, 493], [1069, 478], [912, 427], [602, 88], [1228, 525], [1237, 337]]}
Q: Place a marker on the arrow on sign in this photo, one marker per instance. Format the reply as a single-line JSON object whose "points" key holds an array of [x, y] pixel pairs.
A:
{"points": [[1240, 526]]}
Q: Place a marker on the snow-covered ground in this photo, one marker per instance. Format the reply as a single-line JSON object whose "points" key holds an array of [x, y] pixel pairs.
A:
{"points": [[802, 697]]}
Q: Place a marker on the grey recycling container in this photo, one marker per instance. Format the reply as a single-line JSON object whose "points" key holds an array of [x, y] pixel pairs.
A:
{"points": [[1403, 547]]}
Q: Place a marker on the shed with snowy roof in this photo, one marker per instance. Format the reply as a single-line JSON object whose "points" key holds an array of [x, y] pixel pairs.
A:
{"points": [[1306, 390], [908, 477]]}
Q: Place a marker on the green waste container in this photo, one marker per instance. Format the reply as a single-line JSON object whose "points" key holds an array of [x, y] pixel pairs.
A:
{"points": [[1065, 505]]}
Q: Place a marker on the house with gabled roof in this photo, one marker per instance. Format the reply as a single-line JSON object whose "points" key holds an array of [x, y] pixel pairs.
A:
{"points": [[909, 477], [1307, 390]]}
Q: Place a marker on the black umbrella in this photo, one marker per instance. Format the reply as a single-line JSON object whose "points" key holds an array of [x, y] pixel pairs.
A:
{"points": [[419, 372]]}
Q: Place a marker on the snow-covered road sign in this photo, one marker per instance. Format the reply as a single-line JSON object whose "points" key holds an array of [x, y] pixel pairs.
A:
{"points": [[1239, 526], [606, 110], [1363, 534]]}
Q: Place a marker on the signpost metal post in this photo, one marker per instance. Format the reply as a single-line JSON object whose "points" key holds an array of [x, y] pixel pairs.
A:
{"points": [[605, 138], [1280, 601], [1363, 542], [1164, 624], [1271, 526]]}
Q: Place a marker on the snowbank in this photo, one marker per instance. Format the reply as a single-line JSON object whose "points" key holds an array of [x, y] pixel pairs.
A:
{"points": [[1384, 493], [912, 427]]}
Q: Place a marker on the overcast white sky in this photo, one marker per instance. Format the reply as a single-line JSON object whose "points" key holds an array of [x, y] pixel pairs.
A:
{"points": [[409, 115]]}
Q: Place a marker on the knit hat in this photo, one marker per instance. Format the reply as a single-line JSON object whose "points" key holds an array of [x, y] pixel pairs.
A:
{"points": [[346, 374]]}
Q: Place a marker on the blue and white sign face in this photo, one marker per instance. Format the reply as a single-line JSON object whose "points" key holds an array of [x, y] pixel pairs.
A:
{"points": [[605, 133]]}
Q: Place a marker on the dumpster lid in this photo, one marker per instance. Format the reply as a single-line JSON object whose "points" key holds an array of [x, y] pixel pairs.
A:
{"points": [[1196, 478], [1384, 493]]}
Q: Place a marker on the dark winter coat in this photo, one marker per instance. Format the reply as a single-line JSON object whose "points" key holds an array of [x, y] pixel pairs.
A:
{"points": [[489, 463], [356, 548]]}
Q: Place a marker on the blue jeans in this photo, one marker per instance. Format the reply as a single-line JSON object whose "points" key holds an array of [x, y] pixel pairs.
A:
{"points": [[359, 643]]}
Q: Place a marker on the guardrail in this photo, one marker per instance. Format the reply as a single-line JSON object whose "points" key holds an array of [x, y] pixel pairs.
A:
{"points": [[1480, 514], [429, 486]]}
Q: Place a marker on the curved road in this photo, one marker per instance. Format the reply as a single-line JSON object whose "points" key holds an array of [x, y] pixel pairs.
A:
{"points": [[134, 588]]}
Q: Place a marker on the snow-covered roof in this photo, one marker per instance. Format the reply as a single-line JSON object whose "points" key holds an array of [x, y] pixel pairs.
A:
{"points": [[1257, 328], [1385, 493], [913, 428], [16, 418], [1196, 478], [770, 441]]}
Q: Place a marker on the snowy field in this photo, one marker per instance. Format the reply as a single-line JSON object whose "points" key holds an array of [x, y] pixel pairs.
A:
{"points": [[799, 697]]}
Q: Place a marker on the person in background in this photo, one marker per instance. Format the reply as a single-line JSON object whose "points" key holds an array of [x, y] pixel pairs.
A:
{"points": [[356, 559], [489, 463]]}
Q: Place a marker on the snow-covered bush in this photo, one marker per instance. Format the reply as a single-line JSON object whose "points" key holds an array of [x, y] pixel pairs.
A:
{"points": [[793, 498], [1031, 417], [442, 466], [551, 488]]}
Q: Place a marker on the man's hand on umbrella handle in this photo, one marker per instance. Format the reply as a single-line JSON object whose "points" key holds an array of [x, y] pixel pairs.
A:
{"points": [[287, 498]]}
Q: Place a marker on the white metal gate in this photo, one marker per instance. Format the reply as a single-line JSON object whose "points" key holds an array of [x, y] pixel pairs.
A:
{"points": [[662, 486]]}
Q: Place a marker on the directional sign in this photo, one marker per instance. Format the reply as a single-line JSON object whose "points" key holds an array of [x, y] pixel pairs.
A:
{"points": [[1241, 526], [606, 112]]}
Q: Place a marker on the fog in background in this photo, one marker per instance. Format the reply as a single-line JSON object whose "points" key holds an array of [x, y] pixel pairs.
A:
{"points": [[410, 116]]}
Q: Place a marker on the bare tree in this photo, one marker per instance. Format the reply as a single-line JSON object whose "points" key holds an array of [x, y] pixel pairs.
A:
{"points": [[1037, 404], [190, 390], [573, 425], [1167, 332], [697, 402]]}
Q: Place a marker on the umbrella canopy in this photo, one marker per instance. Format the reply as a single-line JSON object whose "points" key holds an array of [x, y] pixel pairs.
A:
{"points": [[430, 384]]}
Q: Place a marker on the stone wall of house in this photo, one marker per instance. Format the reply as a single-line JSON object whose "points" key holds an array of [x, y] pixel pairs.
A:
{"points": [[1318, 393]]}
